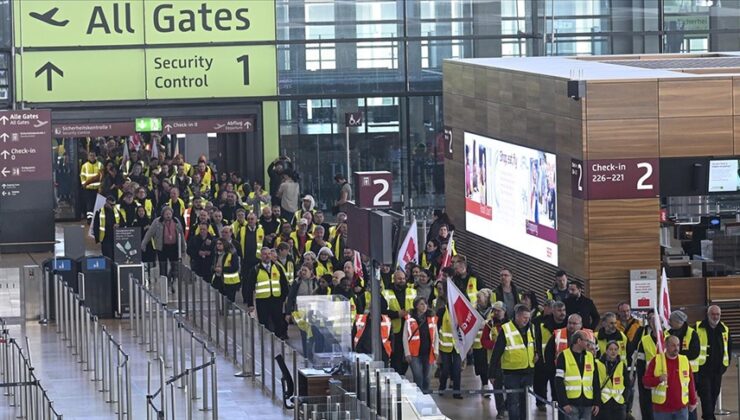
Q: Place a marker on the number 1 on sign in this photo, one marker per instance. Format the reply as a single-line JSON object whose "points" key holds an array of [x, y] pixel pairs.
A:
{"points": [[245, 61]]}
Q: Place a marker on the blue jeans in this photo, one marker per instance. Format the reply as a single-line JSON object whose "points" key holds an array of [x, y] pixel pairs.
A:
{"points": [[420, 369], [676, 415], [579, 413], [516, 404]]}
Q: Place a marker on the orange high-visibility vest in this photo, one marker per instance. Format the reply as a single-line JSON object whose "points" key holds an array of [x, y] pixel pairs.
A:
{"points": [[561, 339], [415, 336], [385, 330]]}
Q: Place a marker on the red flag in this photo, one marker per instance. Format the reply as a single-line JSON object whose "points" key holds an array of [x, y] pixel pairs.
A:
{"points": [[358, 265], [409, 251], [660, 338], [447, 258], [465, 320]]}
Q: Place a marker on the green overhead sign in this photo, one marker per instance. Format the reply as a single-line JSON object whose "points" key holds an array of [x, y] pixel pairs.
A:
{"points": [[166, 49], [146, 125], [54, 23], [157, 73]]}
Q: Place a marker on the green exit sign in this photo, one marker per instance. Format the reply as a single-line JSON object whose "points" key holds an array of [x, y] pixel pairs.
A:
{"points": [[146, 125]]}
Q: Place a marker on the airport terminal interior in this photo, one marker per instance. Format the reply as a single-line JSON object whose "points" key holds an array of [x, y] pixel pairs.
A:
{"points": [[370, 209]]}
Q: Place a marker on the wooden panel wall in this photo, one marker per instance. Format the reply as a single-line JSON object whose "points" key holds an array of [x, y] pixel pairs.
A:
{"points": [[599, 240]]}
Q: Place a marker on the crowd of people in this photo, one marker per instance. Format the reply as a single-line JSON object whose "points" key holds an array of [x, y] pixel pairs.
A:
{"points": [[273, 245]]}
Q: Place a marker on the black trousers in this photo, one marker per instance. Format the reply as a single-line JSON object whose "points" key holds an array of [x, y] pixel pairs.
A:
{"points": [[541, 379], [229, 290], [168, 253], [88, 201], [708, 387], [270, 314], [646, 402], [398, 361], [480, 363]]}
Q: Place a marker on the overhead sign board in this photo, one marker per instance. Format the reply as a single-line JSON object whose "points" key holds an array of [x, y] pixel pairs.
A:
{"points": [[146, 125], [374, 189], [232, 125], [621, 178], [140, 68], [160, 73], [96, 129], [54, 23]]}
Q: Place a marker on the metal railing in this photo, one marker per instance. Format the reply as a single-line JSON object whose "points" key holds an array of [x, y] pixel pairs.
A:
{"points": [[93, 346], [21, 388], [175, 345], [235, 332]]}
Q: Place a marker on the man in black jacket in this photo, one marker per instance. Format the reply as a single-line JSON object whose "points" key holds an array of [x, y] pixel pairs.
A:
{"points": [[581, 305], [714, 357], [573, 366], [200, 251], [268, 286], [544, 371]]}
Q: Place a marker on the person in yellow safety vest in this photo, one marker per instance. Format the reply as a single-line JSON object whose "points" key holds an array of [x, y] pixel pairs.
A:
{"points": [[339, 240], [627, 323], [445, 240], [577, 381], [609, 332], [671, 383], [481, 356], [267, 286], [177, 205], [450, 363], [614, 379], [646, 349], [514, 353], [105, 221], [281, 256], [559, 289], [307, 206], [559, 340], [225, 270], [325, 263], [465, 281], [91, 174], [258, 199], [317, 242], [143, 201], [304, 285], [127, 209], [420, 342], [544, 372], [714, 357], [400, 301], [206, 175], [686, 335], [191, 215]]}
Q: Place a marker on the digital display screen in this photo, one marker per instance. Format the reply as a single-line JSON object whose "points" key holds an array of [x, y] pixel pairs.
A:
{"points": [[511, 197], [63, 265], [724, 175], [96, 264]]}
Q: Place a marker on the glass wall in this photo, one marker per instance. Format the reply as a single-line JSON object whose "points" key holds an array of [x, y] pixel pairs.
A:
{"points": [[384, 57]]}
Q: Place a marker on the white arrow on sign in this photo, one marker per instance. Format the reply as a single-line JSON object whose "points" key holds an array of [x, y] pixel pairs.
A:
{"points": [[5, 137], [4, 119], [5, 154], [5, 171]]}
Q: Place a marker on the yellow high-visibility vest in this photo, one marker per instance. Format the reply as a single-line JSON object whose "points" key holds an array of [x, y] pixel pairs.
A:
{"points": [[394, 305], [230, 278], [446, 339], [577, 384], [101, 218], [517, 355], [704, 345], [268, 285], [89, 170], [622, 342], [658, 394], [612, 389]]}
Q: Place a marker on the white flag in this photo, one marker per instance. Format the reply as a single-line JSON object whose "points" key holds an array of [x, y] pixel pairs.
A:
{"points": [[664, 303], [409, 251], [466, 321]]}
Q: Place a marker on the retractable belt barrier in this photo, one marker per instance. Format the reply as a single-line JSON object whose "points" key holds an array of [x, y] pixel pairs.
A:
{"points": [[175, 345], [19, 383], [95, 348]]}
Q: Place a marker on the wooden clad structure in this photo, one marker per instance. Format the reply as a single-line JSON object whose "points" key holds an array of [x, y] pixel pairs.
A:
{"points": [[629, 108]]}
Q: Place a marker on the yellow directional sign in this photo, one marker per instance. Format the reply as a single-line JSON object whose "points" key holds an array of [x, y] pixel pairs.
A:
{"points": [[71, 76], [212, 21], [215, 72], [69, 23], [54, 23]]}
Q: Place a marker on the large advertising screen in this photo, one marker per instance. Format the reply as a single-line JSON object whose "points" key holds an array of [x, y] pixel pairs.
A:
{"points": [[510, 196], [724, 175]]}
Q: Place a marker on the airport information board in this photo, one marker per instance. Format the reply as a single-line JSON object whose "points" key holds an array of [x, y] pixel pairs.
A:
{"points": [[94, 50]]}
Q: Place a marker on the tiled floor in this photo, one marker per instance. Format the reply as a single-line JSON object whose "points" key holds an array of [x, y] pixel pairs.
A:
{"points": [[76, 397]]}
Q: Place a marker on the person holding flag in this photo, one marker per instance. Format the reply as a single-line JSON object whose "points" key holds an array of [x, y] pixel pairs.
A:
{"points": [[460, 324], [671, 381], [515, 352], [409, 251]]}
